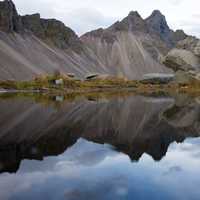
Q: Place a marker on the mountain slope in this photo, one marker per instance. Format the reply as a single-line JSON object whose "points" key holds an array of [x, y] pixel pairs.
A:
{"points": [[23, 57], [30, 46], [134, 46]]}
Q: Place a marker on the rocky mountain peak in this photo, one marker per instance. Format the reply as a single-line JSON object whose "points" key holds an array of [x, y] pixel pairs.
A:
{"points": [[51, 31], [133, 22], [134, 14], [157, 13], [158, 23], [9, 18]]}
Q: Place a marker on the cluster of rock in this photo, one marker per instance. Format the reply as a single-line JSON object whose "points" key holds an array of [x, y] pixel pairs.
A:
{"points": [[186, 55], [184, 59]]}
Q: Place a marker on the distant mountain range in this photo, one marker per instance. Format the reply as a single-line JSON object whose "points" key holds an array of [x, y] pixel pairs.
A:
{"points": [[30, 46]]}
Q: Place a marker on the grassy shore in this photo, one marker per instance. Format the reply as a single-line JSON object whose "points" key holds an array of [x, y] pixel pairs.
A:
{"points": [[68, 85], [47, 83]]}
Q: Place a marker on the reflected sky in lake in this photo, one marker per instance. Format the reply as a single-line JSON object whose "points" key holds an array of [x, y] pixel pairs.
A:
{"points": [[67, 164], [91, 171]]}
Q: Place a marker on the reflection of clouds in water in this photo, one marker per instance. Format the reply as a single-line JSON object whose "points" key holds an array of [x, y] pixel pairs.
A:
{"points": [[82, 153], [107, 187], [69, 165], [174, 169], [14, 183], [74, 176], [183, 159], [188, 145], [88, 153]]}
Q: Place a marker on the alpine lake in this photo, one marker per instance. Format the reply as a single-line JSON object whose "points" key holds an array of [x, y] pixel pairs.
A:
{"points": [[104, 146]]}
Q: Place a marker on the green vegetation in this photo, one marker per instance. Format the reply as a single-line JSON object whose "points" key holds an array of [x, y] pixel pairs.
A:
{"points": [[43, 83], [58, 83]]}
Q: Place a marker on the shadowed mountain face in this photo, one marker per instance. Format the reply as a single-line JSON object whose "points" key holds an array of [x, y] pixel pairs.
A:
{"points": [[30, 45], [133, 125]]}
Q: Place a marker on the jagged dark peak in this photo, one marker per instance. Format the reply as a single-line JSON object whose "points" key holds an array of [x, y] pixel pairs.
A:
{"points": [[134, 14], [158, 25], [158, 22], [50, 30], [33, 23], [9, 19], [157, 13], [133, 22]]}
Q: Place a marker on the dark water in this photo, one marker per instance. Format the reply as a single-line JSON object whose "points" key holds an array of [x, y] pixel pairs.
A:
{"points": [[124, 147]]}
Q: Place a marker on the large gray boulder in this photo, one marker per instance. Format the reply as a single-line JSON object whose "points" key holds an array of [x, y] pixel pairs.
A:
{"points": [[182, 59], [186, 55]]}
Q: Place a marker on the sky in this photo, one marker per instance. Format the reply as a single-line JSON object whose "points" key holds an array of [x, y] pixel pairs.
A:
{"points": [[86, 15]]}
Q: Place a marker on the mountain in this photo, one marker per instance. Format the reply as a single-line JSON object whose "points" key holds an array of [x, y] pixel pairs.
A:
{"points": [[30, 46], [158, 24], [134, 46]]}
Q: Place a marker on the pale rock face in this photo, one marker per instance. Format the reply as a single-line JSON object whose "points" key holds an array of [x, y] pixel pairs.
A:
{"points": [[181, 59], [186, 56], [125, 56], [197, 49]]}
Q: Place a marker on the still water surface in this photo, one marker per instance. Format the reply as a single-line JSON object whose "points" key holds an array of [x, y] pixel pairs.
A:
{"points": [[124, 147]]}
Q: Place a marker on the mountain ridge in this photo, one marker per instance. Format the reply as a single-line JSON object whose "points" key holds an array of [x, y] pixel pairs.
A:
{"points": [[31, 46]]}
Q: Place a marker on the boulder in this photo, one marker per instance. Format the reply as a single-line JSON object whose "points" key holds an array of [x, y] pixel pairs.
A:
{"points": [[182, 59], [157, 78]]}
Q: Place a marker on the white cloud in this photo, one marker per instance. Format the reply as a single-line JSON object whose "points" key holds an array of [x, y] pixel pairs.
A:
{"points": [[83, 16]]}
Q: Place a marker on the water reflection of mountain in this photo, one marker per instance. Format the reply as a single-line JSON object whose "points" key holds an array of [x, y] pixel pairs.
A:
{"points": [[134, 125]]}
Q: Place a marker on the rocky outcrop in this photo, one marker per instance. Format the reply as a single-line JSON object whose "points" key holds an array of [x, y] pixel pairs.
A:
{"points": [[133, 22], [191, 44], [51, 31], [181, 59], [178, 36], [158, 24], [185, 56], [9, 19]]}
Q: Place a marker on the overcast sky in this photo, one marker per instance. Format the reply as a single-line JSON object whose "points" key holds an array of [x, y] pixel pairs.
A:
{"points": [[86, 15]]}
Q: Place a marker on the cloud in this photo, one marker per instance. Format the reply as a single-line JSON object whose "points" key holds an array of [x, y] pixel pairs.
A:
{"points": [[85, 19], [176, 2]]}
